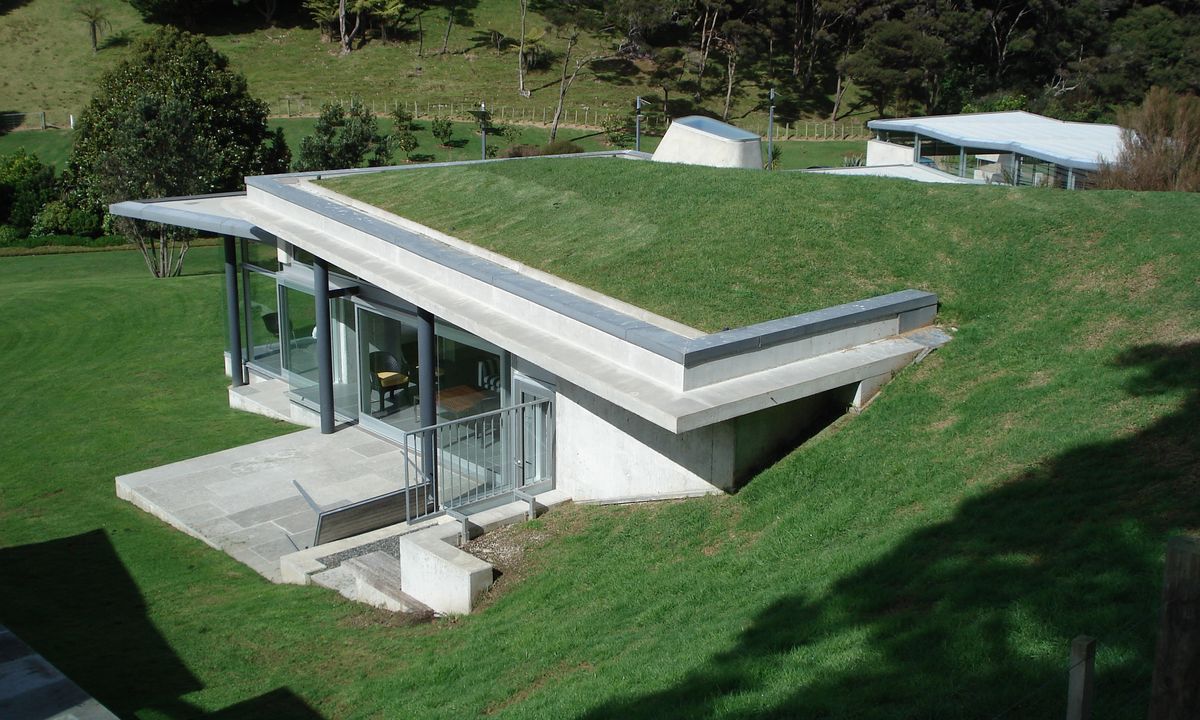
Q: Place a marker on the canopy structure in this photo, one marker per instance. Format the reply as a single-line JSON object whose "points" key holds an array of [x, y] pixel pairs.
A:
{"points": [[1004, 148]]}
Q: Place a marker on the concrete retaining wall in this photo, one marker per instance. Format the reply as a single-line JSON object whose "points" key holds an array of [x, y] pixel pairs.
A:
{"points": [[434, 571], [886, 153], [604, 453]]}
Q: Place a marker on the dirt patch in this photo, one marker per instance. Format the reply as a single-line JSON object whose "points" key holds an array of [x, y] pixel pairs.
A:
{"points": [[510, 549]]}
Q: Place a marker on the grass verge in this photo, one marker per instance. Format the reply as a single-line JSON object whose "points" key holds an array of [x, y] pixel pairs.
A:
{"points": [[932, 557]]}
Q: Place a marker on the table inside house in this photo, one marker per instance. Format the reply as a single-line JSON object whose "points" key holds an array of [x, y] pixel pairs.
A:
{"points": [[461, 400]]}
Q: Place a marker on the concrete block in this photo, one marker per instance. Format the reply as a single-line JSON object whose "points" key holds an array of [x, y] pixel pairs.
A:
{"points": [[438, 574]]}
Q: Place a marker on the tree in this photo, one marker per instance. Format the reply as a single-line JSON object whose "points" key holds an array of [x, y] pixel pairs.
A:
{"points": [[898, 63], [171, 119], [442, 129], [343, 138], [521, 67], [405, 141], [96, 18], [457, 11], [172, 12], [571, 18], [1160, 148]]}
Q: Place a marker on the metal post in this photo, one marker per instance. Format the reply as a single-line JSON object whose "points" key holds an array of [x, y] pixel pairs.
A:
{"points": [[962, 161], [483, 130], [916, 148], [236, 369], [427, 389], [637, 124], [1080, 687], [324, 344], [771, 130]]}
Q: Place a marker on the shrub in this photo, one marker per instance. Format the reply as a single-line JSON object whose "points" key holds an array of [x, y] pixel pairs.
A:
{"points": [[442, 129], [1160, 149], [558, 147], [561, 147], [619, 130], [403, 120], [10, 236]]}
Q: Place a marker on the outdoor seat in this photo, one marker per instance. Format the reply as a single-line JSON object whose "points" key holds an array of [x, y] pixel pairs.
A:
{"points": [[388, 375]]}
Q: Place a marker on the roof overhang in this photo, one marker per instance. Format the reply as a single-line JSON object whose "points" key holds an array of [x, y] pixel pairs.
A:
{"points": [[1081, 146]]}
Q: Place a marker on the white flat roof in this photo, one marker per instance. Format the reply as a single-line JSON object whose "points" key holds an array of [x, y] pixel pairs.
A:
{"points": [[920, 173], [1077, 145]]}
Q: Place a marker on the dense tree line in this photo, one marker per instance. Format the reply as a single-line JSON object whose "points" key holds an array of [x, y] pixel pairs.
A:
{"points": [[1078, 59]]}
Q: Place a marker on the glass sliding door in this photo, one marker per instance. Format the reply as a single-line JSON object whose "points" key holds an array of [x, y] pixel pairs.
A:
{"points": [[387, 357], [297, 336], [261, 321]]}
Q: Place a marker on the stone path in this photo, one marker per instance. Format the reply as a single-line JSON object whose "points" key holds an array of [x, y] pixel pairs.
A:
{"points": [[33, 689]]}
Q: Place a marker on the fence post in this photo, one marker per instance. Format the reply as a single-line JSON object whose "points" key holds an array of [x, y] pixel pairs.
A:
{"points": [[43, 119], [1081, 687], [1174, 692]]}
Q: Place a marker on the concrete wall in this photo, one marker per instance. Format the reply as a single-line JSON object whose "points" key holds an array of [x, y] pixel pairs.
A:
{"points": [[764, 437], [606, 454], [683, 144], [886, 153]]}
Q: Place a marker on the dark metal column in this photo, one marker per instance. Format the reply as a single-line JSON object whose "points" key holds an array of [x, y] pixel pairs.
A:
{"points": [[427, 389], [324, 346], [237, 369]]}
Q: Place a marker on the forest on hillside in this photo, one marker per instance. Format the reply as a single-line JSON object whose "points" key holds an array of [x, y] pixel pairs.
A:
{"points": [[1073, 59]]}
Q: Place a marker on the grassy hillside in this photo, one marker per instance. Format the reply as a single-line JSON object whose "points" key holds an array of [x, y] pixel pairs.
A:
{"points": [[932, 557], [49, 64]]}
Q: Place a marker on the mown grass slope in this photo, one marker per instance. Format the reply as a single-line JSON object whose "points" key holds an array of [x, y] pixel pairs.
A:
{"points": [[932, 557]]}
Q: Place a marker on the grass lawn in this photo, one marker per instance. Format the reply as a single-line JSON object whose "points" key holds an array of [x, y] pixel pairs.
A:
{"points": [[932, 557]]}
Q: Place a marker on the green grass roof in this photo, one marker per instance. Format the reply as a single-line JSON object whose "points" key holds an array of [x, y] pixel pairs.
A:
{"points": [[726, 248]]}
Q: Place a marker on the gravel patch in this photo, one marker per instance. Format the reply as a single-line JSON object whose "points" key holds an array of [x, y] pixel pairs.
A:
{"points": [[389, 545]]}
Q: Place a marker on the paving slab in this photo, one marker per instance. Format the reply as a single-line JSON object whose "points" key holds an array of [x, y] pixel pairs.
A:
{"points": [[33, 689], [244, 500]]}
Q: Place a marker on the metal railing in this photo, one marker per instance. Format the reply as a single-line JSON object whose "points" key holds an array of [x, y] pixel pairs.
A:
{"points": [[480, 457]]}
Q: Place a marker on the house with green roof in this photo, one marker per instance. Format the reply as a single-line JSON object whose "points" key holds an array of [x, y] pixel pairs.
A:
{"points": [[517, 330]]}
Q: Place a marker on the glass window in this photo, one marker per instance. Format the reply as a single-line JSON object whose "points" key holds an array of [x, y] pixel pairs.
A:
{"points": [[387, 349], [261, 255], [262, 322], [298, 344], [470, 376]]}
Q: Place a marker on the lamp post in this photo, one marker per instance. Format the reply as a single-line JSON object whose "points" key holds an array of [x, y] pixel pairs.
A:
{"points": [[637, 125], [483, 130], [771, 129]]}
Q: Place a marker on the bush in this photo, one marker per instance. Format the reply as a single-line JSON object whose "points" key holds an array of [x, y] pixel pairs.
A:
{"points": [[58, 218], [10, 236], [619, 130], [561, 147], [442, 129], [403, 120], [558, 147], [1161, 145]]}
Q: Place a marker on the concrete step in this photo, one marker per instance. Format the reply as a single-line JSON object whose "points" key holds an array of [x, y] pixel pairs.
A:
{"points": [[378, 583]]}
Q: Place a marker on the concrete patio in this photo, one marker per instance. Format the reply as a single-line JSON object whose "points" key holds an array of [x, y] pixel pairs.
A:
{"points": [[243, 500]]}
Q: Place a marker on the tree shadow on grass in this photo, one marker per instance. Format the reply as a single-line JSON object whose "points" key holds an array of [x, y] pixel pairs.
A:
{"points": [[73, 601], [1071, 547]]}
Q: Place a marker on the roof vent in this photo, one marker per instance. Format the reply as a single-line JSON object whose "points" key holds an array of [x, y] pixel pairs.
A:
{"points": [[696, 140]]}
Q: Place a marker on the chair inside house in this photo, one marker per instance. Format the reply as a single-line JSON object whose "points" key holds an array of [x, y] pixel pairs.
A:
{"points": [[271, 321], [389, 375]]}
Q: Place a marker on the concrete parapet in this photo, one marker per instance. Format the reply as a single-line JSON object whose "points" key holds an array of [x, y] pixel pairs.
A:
{"points": [[435, 572]]}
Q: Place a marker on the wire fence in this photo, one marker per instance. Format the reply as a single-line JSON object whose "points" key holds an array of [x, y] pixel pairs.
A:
{"points": [[581, 116]]}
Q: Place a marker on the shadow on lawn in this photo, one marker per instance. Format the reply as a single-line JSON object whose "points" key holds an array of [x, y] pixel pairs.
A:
{"points": [[1072, 547], [73, 601]]}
